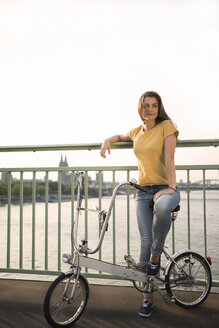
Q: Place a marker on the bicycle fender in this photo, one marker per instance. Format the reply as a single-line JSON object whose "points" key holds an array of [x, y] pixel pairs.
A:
{"points": [[174, 256], [71, 272], [67, 272]]}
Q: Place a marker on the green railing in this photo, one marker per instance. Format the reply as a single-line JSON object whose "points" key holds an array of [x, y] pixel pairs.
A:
{"points": [[29, 242], [93, 146]]}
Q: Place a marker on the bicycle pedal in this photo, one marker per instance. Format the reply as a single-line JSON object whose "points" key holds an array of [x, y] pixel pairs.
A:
{"points": [[129, 260]]}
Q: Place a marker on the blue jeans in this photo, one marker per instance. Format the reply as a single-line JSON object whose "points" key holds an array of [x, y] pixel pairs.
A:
{"points": [[154, 221]]}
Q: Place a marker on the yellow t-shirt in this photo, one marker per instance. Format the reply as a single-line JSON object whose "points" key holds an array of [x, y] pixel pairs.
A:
{"points": [[149, 149]]}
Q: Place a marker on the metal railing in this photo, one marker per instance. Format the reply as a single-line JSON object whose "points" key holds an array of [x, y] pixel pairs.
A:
{"points": [[34, 265], [93, 146]]}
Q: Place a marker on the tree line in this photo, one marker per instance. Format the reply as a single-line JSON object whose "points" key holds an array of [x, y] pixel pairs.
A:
{"points": [[40, 189]]}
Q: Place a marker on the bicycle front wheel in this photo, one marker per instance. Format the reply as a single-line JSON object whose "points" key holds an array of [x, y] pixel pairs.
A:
{"points": [[66, 300], [189, 279]]}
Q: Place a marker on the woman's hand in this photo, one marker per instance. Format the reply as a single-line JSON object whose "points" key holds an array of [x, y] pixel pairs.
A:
{"points": [[105, 147], [168, 191], [107, 143]]}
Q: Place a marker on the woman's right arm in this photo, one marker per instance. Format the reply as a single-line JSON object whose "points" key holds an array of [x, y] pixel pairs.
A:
{"points": [[107, 143]]}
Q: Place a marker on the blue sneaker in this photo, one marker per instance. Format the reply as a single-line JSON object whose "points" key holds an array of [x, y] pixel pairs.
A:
{"points": [[152, 269], [145, 309]]}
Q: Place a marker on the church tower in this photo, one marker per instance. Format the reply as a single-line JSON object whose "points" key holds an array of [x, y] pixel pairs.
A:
{"points": [[66, 176], [63, 163]]}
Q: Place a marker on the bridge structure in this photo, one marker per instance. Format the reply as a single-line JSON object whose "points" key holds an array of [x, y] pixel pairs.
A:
{"points": [[208, 184]]}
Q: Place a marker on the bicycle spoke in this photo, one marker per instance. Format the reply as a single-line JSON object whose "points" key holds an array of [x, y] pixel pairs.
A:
{"points": [[189, 279], [59, 309]]}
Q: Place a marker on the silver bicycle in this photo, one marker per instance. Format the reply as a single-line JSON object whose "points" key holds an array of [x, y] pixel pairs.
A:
{"points": [[186, 277]]}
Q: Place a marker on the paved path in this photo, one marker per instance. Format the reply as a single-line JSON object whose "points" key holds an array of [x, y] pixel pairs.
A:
{"points": [[21, 306]]}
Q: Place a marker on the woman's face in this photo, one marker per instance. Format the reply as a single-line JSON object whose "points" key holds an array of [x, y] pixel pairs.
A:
{"points": [[150, 108]]}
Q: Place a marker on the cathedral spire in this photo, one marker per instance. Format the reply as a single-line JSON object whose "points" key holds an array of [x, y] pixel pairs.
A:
{"points": [[63, 162], [65, 175]]}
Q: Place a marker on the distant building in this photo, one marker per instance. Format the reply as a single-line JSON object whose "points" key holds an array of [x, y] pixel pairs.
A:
{"points": [[66, 176], [99, 177], [4, 178]]}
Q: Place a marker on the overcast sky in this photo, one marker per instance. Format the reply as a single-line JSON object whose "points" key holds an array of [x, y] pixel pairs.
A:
{"points": [[72, 71]]}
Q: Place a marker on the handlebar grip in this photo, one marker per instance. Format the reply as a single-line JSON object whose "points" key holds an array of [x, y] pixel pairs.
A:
{"points": [[137, 186]]}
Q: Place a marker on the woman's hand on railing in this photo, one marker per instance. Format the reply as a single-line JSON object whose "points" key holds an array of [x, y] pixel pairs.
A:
{"points": [[107, 143], [105, 147]]}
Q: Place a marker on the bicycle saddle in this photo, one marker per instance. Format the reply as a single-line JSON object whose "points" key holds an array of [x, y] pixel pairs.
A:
{"points": [[177, 209]]}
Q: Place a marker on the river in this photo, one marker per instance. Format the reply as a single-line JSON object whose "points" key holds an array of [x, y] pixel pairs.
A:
{"points": [[180, 229]]}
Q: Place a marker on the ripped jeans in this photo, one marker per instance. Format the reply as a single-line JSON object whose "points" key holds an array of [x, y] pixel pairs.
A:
{"points": [[154, 221]]}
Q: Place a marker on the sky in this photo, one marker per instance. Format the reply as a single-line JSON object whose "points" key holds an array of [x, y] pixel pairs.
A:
{"points": [[72, 71]]}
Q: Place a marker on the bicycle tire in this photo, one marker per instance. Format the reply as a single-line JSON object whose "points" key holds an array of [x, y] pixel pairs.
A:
{"points": [[189, 279], [57, 309]]}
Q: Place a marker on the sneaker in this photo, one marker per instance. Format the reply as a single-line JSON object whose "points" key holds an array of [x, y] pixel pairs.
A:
{"points": [[152, 269], [140, 267], [145, 309]]}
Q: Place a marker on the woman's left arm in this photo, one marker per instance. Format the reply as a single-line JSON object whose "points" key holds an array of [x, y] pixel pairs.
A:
{"points": [[169, 152]]}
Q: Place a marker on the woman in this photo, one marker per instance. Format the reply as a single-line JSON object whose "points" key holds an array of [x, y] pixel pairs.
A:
{"points": [[154, 145]]}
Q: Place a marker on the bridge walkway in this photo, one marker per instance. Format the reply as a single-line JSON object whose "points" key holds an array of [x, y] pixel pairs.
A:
{"points": [[21, 306]]}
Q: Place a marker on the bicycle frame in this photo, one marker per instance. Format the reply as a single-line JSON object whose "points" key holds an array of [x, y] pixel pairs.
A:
{"points": [[79, 260], [67, 296], [128, 273]]}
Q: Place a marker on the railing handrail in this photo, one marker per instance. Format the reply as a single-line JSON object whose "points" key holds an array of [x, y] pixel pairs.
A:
{"points": [[101, 168], [95, 146]]}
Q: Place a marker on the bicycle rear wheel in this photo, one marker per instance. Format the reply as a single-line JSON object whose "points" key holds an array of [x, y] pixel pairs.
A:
{"points": [[189, 279], [66, 300]]}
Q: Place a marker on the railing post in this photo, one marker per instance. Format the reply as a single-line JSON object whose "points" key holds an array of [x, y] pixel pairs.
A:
{"points": [[59, 218], [114, 222], [33, 218], [100, 204], [86, 205], [128, 214], [21, 220], [72, 205], [204, 213], [9, 221], [46, 218], [188, 208]]}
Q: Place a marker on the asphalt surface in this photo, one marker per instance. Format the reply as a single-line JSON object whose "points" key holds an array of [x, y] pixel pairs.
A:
{"points": [[21, 306]]}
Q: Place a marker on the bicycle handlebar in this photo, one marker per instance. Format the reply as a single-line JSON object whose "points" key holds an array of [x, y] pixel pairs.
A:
{"points": [[137, 186]]}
